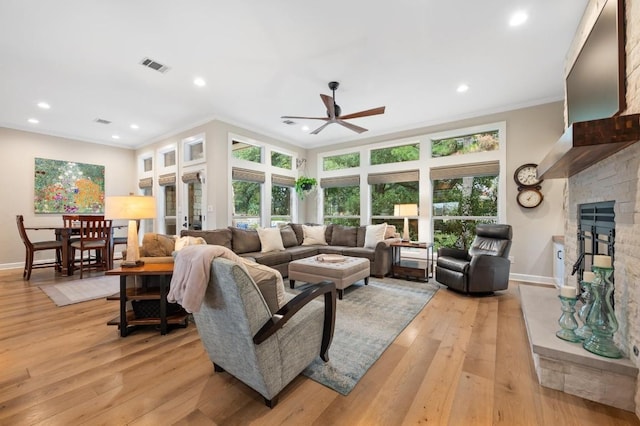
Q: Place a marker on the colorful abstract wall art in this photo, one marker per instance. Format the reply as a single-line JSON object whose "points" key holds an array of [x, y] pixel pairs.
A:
{"points": [[68, 187]]}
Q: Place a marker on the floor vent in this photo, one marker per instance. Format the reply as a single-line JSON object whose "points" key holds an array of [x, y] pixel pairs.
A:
{"points": [[154, 65], [102, 121]]}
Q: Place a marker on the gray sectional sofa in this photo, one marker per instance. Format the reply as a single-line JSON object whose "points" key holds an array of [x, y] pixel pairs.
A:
{"points": [[345, 240]]}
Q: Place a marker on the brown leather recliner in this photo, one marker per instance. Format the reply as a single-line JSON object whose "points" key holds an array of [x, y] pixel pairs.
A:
{"points": [[484, 268]]}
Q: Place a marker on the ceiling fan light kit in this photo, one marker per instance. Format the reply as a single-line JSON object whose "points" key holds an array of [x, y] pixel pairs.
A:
{"points": [[334, 113]]}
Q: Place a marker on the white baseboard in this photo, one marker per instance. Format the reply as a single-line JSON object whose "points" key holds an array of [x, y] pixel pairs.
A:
{"points": [[537, 279]]}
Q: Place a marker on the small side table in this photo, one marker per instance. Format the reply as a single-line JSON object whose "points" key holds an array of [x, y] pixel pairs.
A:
{"points": [[414, 268], [127, 319]]}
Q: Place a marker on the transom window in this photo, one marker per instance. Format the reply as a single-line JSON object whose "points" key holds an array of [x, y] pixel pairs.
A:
{"points": [[477, 142]]}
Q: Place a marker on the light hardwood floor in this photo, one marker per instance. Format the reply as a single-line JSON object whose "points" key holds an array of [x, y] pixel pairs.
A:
{"points": [[462, 361]]}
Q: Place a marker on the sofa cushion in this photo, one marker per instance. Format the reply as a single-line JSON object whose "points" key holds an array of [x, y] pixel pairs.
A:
{"points": [[271, 258], [297, 228], [314, 235], [374, 234], [360, 252], [331, 249], [157, 245], [270, 239], [362, 232], [216, 237], [328, 233], [300, 252], [288, 235], [244, 241], [344, 236]]}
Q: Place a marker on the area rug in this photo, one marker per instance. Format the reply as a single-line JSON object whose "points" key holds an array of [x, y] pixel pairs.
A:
{"points": [[82, 290], [368, 319]]}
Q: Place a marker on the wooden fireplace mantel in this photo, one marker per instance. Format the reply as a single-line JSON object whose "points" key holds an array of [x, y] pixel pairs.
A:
{"points": [[586, 143]]}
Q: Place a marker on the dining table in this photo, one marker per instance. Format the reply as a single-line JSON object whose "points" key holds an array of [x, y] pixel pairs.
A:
{"points": [[64, 234]]}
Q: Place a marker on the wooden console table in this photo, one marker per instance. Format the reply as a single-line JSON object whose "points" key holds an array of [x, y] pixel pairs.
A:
{"points": [[127, 318], [414, 268]]}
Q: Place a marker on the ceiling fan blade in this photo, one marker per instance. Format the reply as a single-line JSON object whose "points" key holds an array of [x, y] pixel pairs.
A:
{"points": [[306, 118], [319, 129], [351, 126], [328, 102], [373, 111]]}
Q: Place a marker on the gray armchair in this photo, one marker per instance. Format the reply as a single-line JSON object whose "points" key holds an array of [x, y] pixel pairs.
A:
{"points": [[484, 268], [243, 337]]}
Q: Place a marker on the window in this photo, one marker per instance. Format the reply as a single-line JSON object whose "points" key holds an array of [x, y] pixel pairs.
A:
{"points": [[463, 197], [147, 164], [193, 150], [169, 158], [389, 189], [395, 154], [168, 201], [477, 142], [281, 160], [341, 200], [245, 151], [339, 162], [247, 197], [281, 190]]}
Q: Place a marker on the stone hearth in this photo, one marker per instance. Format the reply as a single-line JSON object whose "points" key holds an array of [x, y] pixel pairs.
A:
{"points": [[566, 366]]}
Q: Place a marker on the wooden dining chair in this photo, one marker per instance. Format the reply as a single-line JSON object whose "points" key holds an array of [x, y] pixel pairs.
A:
{"points": [[95, 234], [32, 247]]}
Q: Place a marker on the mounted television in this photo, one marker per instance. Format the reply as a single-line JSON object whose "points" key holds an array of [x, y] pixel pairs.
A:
{"points": [[595, 85]]}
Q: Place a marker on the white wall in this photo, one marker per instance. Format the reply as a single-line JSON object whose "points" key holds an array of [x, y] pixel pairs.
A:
{"points": [[18, 149]]}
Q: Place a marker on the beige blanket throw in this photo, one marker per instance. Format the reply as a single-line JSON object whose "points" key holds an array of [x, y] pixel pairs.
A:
{"points": [[191, 276]]}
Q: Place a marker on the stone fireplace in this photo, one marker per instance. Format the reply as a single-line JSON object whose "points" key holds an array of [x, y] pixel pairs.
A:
{"points": [[608, 179], [614, 178]]}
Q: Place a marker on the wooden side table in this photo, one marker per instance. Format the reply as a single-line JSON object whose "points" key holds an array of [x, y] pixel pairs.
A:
{"points": [[127, 319], [414, 268]]}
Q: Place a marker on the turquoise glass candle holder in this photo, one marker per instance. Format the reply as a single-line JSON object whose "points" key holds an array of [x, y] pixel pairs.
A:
{"points": [[584, 331], [567, 321], [602, 318]]}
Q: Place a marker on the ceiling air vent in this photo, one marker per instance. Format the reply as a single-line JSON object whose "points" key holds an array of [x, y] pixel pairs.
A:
{"points": [[102, 121], [289, 122], [150, 63]]}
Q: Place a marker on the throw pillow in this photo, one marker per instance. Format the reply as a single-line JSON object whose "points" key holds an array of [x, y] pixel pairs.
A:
{"points": [[244, 240], [157, 245], [345, 236], [375, 234], [288, 235], [270, 239], [182, 242], [390, 232], [314, 235]]}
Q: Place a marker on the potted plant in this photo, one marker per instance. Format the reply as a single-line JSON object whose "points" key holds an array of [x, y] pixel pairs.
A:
{"points": [[305, 184]]}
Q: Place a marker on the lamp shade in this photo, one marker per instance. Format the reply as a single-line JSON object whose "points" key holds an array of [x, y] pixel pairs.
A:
{"points": [[132, 207], [404, 210]]}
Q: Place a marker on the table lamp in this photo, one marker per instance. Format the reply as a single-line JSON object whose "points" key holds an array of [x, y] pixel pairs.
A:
{"points": [[131, 208], [405, 210]]}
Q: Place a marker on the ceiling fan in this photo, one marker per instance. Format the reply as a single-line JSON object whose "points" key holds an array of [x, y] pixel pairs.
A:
{"points": [[334, 111]]}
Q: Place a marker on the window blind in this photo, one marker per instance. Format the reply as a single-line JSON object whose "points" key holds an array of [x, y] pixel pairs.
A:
{"points": [[490, 168], [247, 175], [393, 177]]}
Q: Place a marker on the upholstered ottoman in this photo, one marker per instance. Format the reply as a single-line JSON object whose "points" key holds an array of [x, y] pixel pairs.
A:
{"points": [[342, 270]]}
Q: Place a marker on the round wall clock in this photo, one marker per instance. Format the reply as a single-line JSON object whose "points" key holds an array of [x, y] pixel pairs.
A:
{"points": [[527, 175], [529, 198]]}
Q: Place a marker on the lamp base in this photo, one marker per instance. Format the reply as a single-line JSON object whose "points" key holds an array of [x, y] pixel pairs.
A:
{"points": [[131, 264]]}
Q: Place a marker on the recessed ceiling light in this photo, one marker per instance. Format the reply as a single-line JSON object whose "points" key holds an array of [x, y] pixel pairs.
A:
{"points": [[115, 136], [134, 126], [518, 18], [305, 128], [199, 82], [462, 88], [44, 105], [33, 120]]}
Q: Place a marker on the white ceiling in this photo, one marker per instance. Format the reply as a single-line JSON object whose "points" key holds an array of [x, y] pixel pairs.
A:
{"points": [[265, 59]]}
